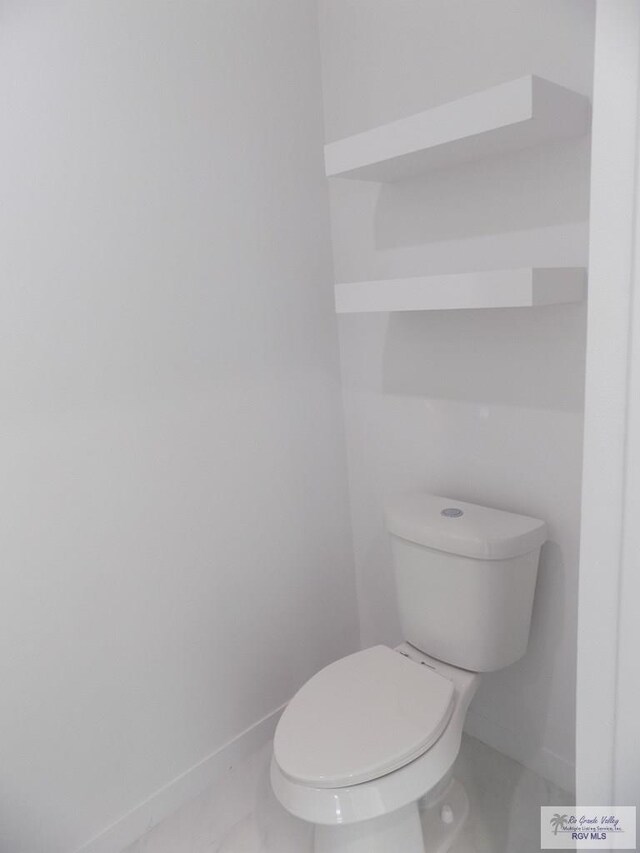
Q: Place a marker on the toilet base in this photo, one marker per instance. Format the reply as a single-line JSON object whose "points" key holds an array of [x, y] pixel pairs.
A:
{"points": [[429, 826], [400, 830], [443, 818]]}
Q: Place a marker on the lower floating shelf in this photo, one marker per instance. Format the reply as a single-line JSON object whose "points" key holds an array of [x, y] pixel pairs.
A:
{"points": [[514, 288]]}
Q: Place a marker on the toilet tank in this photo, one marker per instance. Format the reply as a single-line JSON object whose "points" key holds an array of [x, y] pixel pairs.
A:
{"points": [[465, 579]]}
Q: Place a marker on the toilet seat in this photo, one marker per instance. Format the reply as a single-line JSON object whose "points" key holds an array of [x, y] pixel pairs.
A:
{"points": [[361, 718], [391, 792]]}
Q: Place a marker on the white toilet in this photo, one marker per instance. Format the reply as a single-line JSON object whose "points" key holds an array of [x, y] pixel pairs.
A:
{"points": [[364, 750]]}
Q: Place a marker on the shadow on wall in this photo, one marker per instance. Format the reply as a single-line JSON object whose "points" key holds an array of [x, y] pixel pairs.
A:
{"points": [[531, 357], [534, 188], [517, 210]]}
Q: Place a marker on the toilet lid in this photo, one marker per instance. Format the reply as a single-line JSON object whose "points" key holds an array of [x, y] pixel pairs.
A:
{"points": [[360, 718]]}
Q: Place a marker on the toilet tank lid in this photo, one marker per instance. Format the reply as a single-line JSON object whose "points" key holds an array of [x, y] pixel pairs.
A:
{"points": [[462, 528]]}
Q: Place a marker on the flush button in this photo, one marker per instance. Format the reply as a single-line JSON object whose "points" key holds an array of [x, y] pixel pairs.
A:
{"points": [[452, 512]]}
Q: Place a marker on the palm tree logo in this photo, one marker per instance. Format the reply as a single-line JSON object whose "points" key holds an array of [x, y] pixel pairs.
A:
{"points": [[557, 822]]}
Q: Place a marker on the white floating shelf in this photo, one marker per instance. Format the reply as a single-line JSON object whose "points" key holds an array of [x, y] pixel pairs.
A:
{"points": [[519, 114], [514, 288]]}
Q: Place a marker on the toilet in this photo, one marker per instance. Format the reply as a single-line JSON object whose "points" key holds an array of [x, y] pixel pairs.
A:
{"points": [[365, 748]]}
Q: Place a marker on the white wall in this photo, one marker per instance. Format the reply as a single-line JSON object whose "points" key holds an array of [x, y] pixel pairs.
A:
{"points": [[480, 406], [608, 752], [175, 546]]}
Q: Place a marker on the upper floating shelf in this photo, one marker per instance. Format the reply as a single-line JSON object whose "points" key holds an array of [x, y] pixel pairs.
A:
{"points": [[525, 287], [515, 115]]}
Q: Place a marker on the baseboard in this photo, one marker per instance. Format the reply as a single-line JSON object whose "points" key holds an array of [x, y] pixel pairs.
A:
{"points": [[180, 790], [551, 766]]}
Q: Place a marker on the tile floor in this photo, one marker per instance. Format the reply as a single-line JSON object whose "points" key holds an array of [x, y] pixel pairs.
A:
{"points": [[242, 816]]}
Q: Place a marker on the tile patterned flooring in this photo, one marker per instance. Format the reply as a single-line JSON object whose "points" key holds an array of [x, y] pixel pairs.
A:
{"points": [[242, 815]]}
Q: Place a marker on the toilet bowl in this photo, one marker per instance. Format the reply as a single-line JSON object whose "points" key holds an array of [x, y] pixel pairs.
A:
{"points": [[323, 772], [365, 749]]}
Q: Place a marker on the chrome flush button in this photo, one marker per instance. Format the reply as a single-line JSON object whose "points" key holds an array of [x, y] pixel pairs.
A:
{"points": [[451, 512]]}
